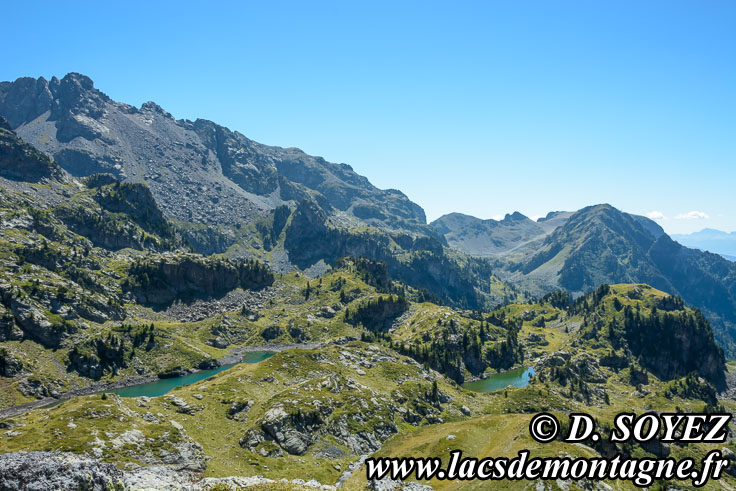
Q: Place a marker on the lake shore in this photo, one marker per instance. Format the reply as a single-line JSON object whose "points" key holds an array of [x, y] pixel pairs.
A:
{"points": [[235, 356]]}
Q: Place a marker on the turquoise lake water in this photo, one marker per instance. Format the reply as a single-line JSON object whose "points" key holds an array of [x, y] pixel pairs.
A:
{"points": [[518, 377], [164, 385]]}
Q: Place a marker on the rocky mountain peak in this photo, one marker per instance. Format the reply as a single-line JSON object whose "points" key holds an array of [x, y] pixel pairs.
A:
{"points": [[515, 217], [198, 171], [78, 80], [151, 106], [26, 99]]}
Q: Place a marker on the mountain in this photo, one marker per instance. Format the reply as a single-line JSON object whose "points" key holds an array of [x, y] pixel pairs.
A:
{"points": [[600, 244], [710, 240], [596, 245], [96, 284], [493, 237], [198, 171], [224, 193]]}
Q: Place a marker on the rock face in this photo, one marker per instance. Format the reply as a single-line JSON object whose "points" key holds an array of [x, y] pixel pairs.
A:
{"points": [[198, 171], [168, 277], [20, 161]]}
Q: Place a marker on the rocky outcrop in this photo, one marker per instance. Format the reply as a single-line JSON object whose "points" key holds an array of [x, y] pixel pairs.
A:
{"points": [[674, 344], [295, 430], [377, 313], [8, 330], [119, 215], [44, 318], [163, 279], [180, 404], [10, 364], [271, 333], [587, 368], [239, 409], [35, 324], [96, 357]]}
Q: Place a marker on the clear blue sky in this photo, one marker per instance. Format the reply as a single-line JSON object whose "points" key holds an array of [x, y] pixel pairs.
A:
{"points": [[478, 107]]}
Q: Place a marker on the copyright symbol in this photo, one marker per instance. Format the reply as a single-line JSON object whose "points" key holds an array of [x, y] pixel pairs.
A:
{"points": [[544, 427]]}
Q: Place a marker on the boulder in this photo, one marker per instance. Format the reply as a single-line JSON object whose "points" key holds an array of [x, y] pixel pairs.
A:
{"points": [[181, 405]]}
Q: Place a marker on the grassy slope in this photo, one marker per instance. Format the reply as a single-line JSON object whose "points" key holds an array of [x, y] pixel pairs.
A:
{"points": [[291, 376], [501, 430]]}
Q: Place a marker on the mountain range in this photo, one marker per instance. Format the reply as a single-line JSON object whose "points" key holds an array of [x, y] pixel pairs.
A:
{"points": [[224, 193], [198, 171], [491, 237], [598, 245], [227, 194]]}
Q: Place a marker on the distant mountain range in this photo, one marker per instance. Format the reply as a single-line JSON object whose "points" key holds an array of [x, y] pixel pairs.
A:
{"points": [[711, 240], [496, 237]]}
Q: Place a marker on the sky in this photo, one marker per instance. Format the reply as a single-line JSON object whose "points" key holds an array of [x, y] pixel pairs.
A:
{"points": [[482, 108]]}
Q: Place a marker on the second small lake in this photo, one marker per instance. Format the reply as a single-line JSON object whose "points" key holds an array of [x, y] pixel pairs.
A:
{"points": [[519, 377], [165, 385]]}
